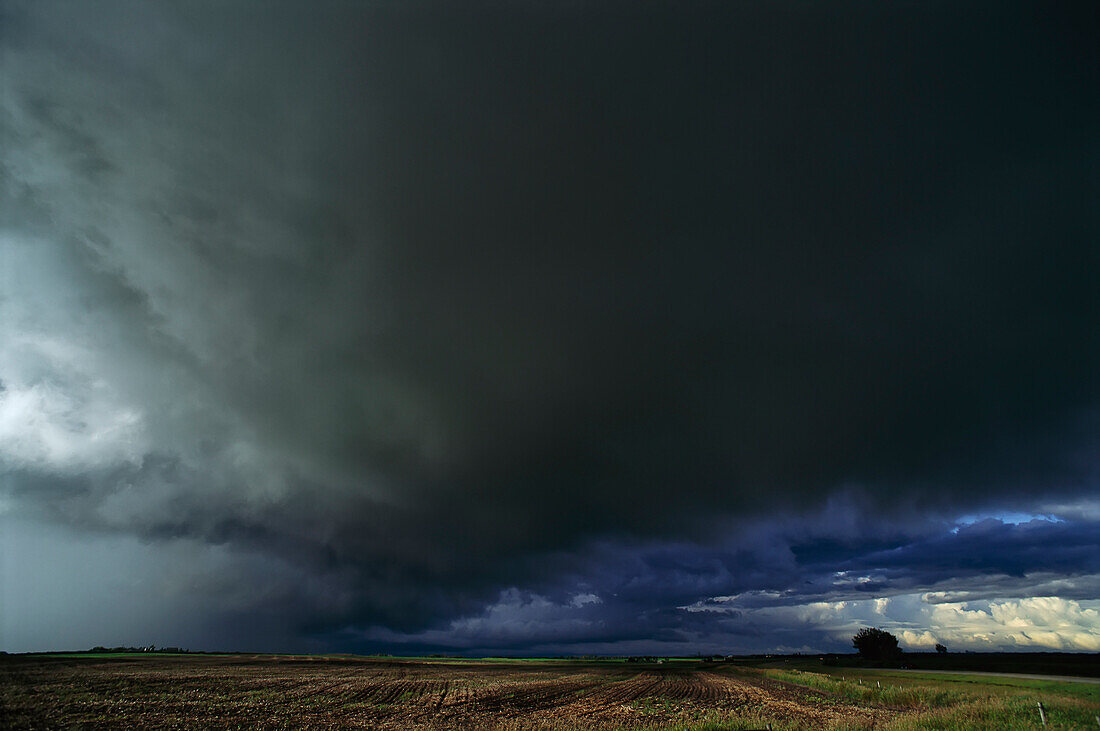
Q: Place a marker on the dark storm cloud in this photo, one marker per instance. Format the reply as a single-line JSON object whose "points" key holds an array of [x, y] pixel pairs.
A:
{"points": [[443, 302], [991, 546], [776, 587]]}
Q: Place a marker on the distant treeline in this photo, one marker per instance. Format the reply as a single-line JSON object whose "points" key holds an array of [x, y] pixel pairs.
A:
{"points": [[148, 648], [1041, 663]]}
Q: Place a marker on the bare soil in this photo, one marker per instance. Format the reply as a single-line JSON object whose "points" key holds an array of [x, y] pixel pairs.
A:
{"points": [[334, 692]]}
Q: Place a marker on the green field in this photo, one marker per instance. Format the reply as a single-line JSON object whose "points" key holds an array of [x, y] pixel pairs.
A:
{"points": [[945, 701]]}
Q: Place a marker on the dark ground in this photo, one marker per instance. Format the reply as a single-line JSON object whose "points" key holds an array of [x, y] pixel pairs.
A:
{"points": [[207, 691]]}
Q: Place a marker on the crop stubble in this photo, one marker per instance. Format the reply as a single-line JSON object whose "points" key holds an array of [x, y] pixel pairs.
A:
{"points": [[282, 692]]}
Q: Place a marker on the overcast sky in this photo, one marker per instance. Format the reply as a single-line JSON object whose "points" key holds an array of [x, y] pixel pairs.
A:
{"points": [[549, 327]]}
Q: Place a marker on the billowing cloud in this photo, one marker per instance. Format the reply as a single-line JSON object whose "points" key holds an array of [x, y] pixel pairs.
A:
{"points": [[527, 321], [1031, 623]]}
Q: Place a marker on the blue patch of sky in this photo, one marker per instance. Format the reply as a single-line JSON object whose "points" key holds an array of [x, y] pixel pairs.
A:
{"points": [[1008, 517]]}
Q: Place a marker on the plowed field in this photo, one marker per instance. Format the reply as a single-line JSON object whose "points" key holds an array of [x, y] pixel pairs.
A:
{"points": [[303, 692]]}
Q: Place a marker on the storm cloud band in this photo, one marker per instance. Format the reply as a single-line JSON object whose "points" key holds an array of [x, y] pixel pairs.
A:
{"points": [[429, 304]]}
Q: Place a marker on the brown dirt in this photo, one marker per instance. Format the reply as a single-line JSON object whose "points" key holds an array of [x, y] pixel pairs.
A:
{"points": [[332, 692]]}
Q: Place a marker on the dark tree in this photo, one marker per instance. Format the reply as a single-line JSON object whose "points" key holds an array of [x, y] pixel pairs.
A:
{"points": [[876, 644], [942, 649]]}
